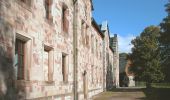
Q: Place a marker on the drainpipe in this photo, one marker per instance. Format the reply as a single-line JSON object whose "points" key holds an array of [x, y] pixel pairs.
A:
{"points": [[75, 50]]}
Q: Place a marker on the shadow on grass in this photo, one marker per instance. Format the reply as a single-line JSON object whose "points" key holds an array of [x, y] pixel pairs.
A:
{"points": [[157, 93], [154, 93], [127, 90]]}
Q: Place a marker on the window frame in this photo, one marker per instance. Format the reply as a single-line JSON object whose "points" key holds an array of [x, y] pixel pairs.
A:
{"points": [[64, 69], [50, 51], [48, 9], [92, 74], [86, 35], [20, 51], [27, 55]]}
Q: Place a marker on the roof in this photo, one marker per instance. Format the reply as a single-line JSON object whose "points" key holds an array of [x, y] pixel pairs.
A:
{"points": [[97, 27], [92, 4], [105, 27]]}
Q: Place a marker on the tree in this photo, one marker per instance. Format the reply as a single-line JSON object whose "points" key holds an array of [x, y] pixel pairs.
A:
{"points": [[145, 56], [165, 43]]}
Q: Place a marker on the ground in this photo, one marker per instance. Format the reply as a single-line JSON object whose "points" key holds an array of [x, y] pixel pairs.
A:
{"points": [[121, 94]]}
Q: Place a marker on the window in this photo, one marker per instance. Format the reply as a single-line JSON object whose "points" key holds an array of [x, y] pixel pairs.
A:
{"points": [[47, 4], [82, 28], [65, 23], [22, 59], [87, 37], [100, 75], [19, 54], [48, 63], [85, 11], [47, 9], [92, 43], [96, 47], [64, 67], [83, 32]]}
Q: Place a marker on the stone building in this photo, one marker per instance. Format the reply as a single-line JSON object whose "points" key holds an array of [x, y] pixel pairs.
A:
{"points": [[114, 45], [108, 57], [53, 50]]}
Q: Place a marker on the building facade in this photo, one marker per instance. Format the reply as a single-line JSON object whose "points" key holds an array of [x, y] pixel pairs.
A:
{"points": [[114, 45], [52, 50]]}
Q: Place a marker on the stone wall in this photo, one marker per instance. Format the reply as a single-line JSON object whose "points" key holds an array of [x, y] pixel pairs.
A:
{"points": [[48, 66], [29, 21]]}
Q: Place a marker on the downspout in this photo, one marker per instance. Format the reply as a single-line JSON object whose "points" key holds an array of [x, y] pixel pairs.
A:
{"points": [[75, 50]]}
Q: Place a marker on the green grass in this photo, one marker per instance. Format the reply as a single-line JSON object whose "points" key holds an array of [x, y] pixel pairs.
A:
{"points": [[140, 84], [161, 85], [158, 85]]}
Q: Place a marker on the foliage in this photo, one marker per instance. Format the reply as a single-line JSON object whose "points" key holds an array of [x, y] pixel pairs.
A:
{"points": [[165, 43], [145, 56], [123, 62]]}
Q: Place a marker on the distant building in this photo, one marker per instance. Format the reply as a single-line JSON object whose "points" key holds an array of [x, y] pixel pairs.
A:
{"points": [[108, 57], [126, 77], [129, 74]]}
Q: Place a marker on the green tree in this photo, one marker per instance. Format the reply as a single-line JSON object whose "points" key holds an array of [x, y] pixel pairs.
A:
{"points": [[165, 43], [146, 57]]}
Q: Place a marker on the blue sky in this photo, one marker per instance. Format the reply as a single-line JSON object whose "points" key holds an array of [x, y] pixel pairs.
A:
{"points": [[128, 18]]}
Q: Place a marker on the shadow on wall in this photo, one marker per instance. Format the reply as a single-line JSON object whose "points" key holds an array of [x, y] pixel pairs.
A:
{"points": [[109, 77], [8, 87]]}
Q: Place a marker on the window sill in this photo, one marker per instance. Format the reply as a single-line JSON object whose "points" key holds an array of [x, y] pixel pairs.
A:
{"points": [[49, 82]]}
